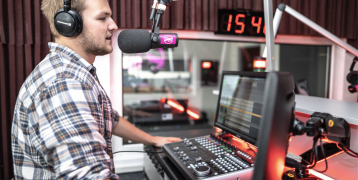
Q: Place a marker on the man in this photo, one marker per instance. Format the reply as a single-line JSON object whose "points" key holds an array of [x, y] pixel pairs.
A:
{"points": [[63, 120]]}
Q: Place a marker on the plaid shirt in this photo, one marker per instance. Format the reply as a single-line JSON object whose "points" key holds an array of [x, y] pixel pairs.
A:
{"points": [[63, 119]]}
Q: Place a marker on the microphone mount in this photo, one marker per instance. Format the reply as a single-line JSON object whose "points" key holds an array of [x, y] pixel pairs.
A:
{"points": [[158, 9]]}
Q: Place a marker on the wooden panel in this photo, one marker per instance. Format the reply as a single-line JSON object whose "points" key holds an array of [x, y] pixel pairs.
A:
{"points": [[45, 30], [223, 4], [205, 15], [330, 16], [321, 14], [19, 26], [284, 24], [240, 4], [37, 54], [258, 5], [247, 4], [179, 14], [313, 16], [145, 13], [343, 19], [115, 10], [299, 9], [292, 29], [351, 22], [192, 15], [12, 97], [187, 14], [123, 14], [3, 107], [337, 18], [2, 24], [37, 21], [11, 21], [136, 13], [213, 15], [165, 22], [198, 25], [129, 18], [230, 4], [19, 57], [28, 22], [306, 12], [28, 59]]}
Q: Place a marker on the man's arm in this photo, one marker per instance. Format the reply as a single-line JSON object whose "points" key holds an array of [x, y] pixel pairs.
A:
{"points": [[125, 129], [68, 135]]}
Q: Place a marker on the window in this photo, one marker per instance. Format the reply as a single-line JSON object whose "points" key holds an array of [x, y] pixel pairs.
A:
{"points": [[175, 89]]}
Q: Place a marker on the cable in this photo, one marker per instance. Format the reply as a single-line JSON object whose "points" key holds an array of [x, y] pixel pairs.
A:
{"points": [[348, 151], [324, 155], [139, 152], [313, 158]]}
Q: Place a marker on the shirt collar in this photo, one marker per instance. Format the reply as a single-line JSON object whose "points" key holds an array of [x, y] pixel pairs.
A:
{"points": [[54, 47]]}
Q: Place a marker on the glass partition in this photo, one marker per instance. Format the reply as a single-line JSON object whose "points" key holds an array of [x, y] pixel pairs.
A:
{"points": [[176, 89]]}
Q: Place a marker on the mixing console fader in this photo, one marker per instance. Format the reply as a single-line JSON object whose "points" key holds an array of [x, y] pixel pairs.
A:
{"points": [[211, 158]]}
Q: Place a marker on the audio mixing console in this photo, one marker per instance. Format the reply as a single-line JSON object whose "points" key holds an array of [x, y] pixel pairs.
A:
{"points": [[211, 157]]}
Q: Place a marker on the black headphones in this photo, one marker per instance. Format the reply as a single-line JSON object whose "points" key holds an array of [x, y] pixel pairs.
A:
{"points": [[352, 78], [67, 21]]}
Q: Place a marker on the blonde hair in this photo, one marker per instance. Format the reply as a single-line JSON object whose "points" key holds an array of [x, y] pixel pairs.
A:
{"points": [[50, 7]]}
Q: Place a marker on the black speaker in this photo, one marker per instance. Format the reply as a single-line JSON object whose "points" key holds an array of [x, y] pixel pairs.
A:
{"points": [[67, 21], [352, 77]]}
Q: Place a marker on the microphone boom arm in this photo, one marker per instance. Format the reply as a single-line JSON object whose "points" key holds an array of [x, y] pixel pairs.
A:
{"points": [[283, 7]]}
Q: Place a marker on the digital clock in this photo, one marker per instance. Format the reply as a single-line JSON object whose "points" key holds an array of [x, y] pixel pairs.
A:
{"points": [[241, 22]]}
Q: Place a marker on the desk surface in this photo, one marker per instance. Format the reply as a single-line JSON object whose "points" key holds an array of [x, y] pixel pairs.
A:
{"points": [[340, 167], [342, 109]]}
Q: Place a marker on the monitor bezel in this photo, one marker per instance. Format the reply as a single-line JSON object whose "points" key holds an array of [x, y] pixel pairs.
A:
{"points": [[225, 128]]}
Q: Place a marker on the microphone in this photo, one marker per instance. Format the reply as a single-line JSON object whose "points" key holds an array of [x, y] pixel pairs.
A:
{"points": [[140, 40]]}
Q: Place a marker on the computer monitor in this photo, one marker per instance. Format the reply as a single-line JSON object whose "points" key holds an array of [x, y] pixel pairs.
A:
{"points": [[240, 104], [259, 108]]}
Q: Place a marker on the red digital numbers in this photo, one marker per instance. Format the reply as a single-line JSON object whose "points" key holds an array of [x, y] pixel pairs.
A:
{"points": [[258, 24], [238, 23], [226, 23], [230, 21]]}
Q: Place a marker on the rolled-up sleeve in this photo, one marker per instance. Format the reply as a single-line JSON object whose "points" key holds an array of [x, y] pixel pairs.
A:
{"points": [[68, 135]]}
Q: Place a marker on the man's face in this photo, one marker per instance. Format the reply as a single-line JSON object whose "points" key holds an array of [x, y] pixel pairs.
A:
{"points": [[98, 28]]}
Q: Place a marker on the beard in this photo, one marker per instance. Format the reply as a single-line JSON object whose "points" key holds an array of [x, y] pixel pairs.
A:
{"points": [[89, 45]]}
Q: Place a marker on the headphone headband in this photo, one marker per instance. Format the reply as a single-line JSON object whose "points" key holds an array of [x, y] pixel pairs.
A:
{"points": [[66, 5]]}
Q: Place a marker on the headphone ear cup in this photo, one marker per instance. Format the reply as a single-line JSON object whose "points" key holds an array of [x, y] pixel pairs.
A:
{"points": [[352, 77], [68, 23]]}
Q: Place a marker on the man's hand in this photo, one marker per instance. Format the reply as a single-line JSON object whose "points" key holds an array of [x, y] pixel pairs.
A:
{"points": [[160, 141]]}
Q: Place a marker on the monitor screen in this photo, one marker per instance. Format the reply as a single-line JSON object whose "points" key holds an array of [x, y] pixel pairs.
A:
{"points": [[240, 104]]}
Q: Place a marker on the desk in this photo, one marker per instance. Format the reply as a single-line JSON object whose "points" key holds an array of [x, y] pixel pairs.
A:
{"points": [[339, 167]]}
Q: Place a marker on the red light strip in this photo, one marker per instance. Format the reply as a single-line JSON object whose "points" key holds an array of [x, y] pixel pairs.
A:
{"points": [[322, 176], [329, 157], [242, 141], [175, 105], [192, 114]]}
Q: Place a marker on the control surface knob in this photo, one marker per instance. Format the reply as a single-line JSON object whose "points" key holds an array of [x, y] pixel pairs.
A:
{"points": [[176, 149], [194, 148], [201, 170]]}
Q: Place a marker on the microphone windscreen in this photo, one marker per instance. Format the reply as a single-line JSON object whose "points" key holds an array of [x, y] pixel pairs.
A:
{"points": [[134, 41]]}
